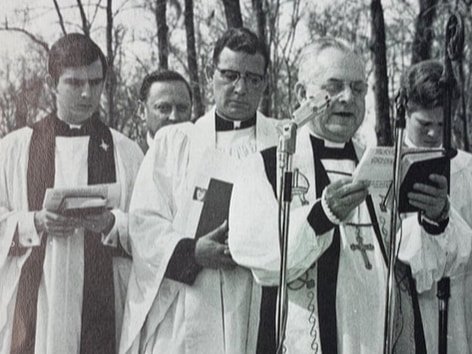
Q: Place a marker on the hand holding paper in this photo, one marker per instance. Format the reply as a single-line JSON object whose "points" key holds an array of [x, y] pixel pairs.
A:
{"points": [[54, 224], [417, 165], [344, 195]]}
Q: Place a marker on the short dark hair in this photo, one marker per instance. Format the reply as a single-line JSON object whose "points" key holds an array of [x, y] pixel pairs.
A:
{"points": [[241, 39], [161, 76], [422, 85], [73, 50]]}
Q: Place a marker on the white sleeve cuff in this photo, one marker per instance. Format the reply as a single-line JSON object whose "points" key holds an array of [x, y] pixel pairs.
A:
{"points": [[119, 232], [27, 234], [329, 214]]}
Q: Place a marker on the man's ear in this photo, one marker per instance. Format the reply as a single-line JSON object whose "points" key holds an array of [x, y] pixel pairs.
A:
{"points": [[300, 91], [51, 83]]}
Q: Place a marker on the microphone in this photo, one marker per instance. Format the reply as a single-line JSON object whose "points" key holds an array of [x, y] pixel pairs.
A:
{"points": [[312, 108]]}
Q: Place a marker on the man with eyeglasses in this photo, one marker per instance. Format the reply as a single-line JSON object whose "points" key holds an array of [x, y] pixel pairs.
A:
{"points": [[165, 97], [337, 253], [186, 294]]}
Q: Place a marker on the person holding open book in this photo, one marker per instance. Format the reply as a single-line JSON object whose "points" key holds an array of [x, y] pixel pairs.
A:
{"points": [[424, 129], [186, 294], [337, 243], [63, 273]]}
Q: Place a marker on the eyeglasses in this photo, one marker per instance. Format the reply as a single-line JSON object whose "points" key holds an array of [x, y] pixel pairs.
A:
{"points": [[232, 77], [335, 86]]}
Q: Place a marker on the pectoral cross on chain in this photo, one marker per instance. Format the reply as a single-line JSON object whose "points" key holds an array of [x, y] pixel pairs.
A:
{"points": [[363, 248]]}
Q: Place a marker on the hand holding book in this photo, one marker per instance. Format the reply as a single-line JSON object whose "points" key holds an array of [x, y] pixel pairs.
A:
{"points": [[430, 198], [88, 207], [418, 165]]}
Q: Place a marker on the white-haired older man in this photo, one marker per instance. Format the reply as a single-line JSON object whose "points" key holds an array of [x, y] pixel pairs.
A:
{"points": [[337, 250]]}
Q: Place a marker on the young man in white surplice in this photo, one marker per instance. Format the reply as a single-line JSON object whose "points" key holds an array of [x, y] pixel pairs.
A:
{"points": [[424, 128], [67, 274]]}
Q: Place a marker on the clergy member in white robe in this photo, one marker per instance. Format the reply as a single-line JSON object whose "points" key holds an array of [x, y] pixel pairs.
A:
{"points": [[176, 303], [337, 256], [75, 261], [421, 83], [165, 97]]}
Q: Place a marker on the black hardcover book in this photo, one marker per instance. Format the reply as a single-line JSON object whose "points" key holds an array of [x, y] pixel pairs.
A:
{"points": [[215, 206], [416, 169]]}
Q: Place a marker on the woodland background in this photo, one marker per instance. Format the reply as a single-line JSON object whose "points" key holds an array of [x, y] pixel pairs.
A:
{"points": [[139, 36]]}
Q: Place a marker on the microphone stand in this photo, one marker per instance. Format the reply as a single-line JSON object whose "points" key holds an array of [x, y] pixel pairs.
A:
{"points": [[400, 123], [311, 109], [453, 51], [285, 151]]}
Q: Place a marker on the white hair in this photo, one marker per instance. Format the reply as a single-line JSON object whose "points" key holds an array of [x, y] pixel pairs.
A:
{"points": [[311, 52]]}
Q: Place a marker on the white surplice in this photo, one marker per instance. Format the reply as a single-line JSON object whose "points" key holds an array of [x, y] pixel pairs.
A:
{"points": [[60, 292], [447, 255], [219, 312], [360, 295]]}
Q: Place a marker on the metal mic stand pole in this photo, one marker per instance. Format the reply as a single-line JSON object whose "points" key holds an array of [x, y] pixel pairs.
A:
{"points": [[454, 47], [390, 293], [285, 151]]}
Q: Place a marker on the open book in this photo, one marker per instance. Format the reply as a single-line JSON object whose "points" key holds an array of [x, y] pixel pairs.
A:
{"points": [[417, 164], [82, 200]]}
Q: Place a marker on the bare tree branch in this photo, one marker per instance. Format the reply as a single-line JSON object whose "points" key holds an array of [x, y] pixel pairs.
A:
{"points": [[140, 62], [61, 19], [85, 23], [35, 39], [95, 11]]}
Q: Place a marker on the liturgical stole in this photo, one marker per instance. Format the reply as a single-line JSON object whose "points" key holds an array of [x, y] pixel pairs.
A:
{"points": [[98, 304]]}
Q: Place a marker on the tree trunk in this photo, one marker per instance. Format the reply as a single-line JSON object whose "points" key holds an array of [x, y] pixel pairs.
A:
{"points": [[162, 31], [379, 58], [424, 31], [233, 13], [198, 108], [110, 86], [463, 107], [258, 8]]}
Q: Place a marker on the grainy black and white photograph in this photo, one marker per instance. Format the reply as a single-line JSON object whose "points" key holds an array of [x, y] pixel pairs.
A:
{"points": [[235, 177]]}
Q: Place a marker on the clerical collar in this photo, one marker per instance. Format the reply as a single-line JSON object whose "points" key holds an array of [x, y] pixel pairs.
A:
{"points": [[222, 124], [324, 151], [63, 128], [328, 143]]}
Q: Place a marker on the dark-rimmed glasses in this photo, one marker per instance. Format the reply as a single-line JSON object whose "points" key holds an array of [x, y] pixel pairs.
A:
{"points": [[232, 77]]}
